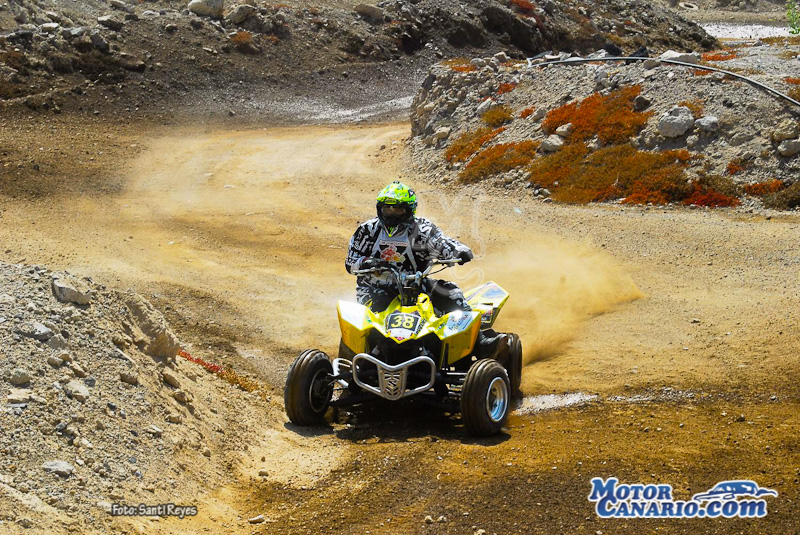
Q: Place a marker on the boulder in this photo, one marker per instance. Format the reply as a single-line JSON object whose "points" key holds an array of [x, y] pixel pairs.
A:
{"points": [[207, 8], [709, 123], [19, 377], [110, 22], [77, 390], [240, 13], [370, 12], [789, 148], [60, 468], [552, 143], [684, 57], [69, 290], [676, 122], [786, 130], [119, 4]]}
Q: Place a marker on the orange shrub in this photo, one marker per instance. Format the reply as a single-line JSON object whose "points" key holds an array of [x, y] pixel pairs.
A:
{"points": [[460, 65], [242, 38], [527, 112], [720, 55], [498, 159], [764, 188], [737, 165], [469, 143], [792, 81], [497, 116], [505, 88], [701, 72], [695, 106], [575, 176], [794, 93], [610, 117], [711, 199], [523, 6]]}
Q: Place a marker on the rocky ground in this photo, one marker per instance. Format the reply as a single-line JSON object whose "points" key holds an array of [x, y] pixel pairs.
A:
{"points": [[731, 129], [287, 60], [96, 407]]}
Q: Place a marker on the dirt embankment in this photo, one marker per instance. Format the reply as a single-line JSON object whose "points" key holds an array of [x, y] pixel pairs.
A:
{"points": [[680, 320]]}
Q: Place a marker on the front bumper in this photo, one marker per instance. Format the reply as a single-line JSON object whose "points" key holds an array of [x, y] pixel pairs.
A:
{"points": [[392, 380]]}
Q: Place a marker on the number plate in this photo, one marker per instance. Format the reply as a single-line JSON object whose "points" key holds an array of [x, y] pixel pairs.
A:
{"points": [[406, 322]]}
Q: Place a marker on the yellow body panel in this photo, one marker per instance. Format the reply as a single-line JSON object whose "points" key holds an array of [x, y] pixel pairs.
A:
{"points": [[457, 330]]}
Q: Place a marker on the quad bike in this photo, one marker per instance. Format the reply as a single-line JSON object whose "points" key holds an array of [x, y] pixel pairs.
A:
{"points": [[412, 350]]}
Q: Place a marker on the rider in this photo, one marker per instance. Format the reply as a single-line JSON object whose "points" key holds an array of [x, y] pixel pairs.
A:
{"points": [[397, 238]]}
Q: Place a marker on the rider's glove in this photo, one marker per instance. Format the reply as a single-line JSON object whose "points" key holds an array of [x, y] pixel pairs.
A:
{"points": [[374, 263], [465, 255]]}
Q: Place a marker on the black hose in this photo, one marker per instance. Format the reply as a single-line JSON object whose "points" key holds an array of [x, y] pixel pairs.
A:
{"points": [[671, 62]]}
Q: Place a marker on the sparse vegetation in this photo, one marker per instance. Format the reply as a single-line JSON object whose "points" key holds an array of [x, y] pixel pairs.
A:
{"points": [[527, 112], [498, 116], [786, 199], [610, 117], [720, 55], [469, 143], [505, 88], [793, 16], [523, 6], [695, 106], [497, 159], [460, 65], [764, 188]]}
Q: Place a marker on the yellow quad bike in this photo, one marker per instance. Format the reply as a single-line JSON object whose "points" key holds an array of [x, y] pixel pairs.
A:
{"points": [[409, 350]]}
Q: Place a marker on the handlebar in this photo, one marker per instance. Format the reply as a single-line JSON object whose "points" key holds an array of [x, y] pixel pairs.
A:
{"points": [[449, 262]]}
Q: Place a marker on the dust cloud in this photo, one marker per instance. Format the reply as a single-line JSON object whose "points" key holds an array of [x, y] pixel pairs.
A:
{"points": [[555, 286]]}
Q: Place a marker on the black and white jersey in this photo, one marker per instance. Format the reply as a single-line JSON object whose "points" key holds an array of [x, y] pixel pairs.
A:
{"points": [[411, 247]]}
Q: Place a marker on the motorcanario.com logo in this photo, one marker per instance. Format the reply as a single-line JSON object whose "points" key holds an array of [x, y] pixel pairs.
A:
{"points": [[727, 499]]}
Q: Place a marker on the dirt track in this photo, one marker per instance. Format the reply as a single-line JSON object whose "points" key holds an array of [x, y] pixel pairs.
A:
{"points": [[690, 317]]}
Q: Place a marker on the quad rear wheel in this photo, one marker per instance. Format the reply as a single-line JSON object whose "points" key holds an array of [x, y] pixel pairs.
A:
{"points": [[485, 398], [308, 388]]}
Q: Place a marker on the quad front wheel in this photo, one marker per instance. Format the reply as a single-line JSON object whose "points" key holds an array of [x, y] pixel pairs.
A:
{"points": [[308, 388], [485, 398]]}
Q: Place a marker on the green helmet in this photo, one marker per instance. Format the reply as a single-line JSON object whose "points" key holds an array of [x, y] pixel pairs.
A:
{"points": [[396, 195]]}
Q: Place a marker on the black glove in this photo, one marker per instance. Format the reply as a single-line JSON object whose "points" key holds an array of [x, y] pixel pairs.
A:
{"points": [[374, 263], [465, 255]]}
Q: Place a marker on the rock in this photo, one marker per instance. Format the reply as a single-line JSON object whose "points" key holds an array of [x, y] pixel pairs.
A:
{"points": [[77, 370], [552, 143], [181, 396], [651, 63], [257, 519], [160, 341], [174, 418], [111, 23], [68, 291], [786, 130], [709, 123], [20, 377], [789, 148], [478, 62], [442, 519], [501, 57], [18, 396], [207, 8], [6, 299], [240, 13], [154, 430], [263, 472], [564, 130], [40, 332], [740, 138], [63, 355], [428, 519], [50, 27], [206, 452], [676, 122], [76, 389], [692, 141], [171, 28], [170, 378], [60, 468], [442, 133], [54, 361], [641, 103], [119, 4], [58, 342], [131, 378], [99, 42], [484, 106], [684, 57], [370, 12]]}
